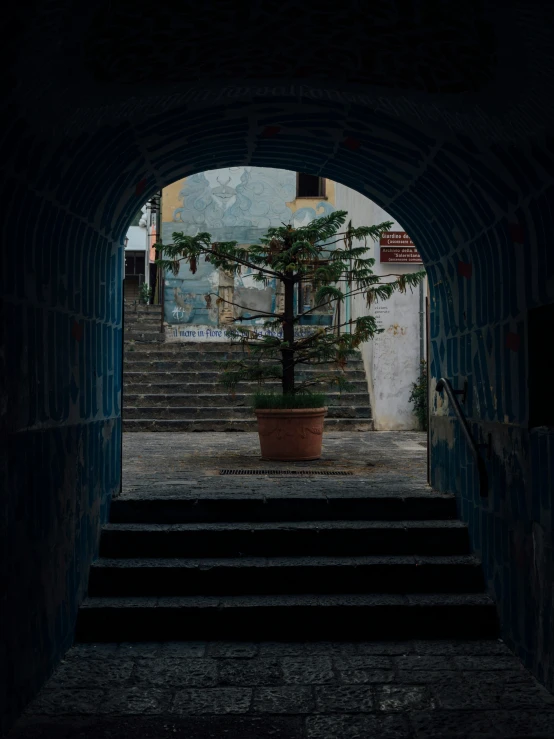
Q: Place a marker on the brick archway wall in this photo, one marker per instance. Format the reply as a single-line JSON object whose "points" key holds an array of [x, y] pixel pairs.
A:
{"points": [[474, 188]]}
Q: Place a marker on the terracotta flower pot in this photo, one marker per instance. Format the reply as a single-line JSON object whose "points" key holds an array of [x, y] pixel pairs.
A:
{"points": [[289, 435]]}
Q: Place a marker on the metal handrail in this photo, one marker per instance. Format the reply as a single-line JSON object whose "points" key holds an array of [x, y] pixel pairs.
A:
{"points": [[444, 384]]}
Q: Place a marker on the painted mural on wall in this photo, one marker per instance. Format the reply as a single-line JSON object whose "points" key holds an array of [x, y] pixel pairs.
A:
{"points": [[232, 204]]}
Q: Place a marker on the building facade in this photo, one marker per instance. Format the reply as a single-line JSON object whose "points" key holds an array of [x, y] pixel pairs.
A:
{"points": [[140, 255], [240, 204]]}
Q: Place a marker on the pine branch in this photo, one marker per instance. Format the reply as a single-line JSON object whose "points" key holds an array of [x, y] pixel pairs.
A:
{"points": [[291, 256]]}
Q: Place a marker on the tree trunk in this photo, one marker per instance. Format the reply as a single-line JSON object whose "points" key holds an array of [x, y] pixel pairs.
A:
{"points": [[288, 335]]}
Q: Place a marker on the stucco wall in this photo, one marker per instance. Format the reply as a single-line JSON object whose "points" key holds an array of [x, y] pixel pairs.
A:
{"points": [[392, 358], [137, 239]]}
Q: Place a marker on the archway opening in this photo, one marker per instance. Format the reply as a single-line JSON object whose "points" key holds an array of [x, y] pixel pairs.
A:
{"points": [[462, 202]]}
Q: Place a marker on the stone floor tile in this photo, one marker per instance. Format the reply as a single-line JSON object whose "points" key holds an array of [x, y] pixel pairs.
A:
{"points": [[234, 650], [520, 724], [506, 677], [250, 672], [369, 662], [483, 662], [403, 697], [212, 700], [304, 649], [527, 696], [183, 649], [430, 662], [344, 699], [460, 648], [283, 649], [358, 727], [420, 677], [458, 696], [155, 727], [136, 700], [140, 650], [328, 649], [440, 724], [364, 670], [101, 650], [88, 673], [365, 676], [391, 648], [283, 699], [60, 701], [175, 672], [311, 670], [492, 696]]}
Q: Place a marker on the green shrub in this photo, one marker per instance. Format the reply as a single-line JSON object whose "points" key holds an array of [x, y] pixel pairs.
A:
{"points": [[288, 400], [145, 293], [418, 396]]}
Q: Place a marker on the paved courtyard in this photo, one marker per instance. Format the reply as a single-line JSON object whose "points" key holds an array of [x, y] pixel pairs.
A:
{"points": [[185, 464], [316, 690]]}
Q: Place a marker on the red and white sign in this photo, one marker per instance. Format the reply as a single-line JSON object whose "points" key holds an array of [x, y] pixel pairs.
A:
{"points": [[397, 246]]}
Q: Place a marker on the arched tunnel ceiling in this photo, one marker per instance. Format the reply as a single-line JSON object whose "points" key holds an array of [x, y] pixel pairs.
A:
{"points": [[109, 84], [347, 41], [451, 54]]}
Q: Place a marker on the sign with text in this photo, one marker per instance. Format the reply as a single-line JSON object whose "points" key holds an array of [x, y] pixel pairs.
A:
{"points": [[397, 247], [199, 333]]}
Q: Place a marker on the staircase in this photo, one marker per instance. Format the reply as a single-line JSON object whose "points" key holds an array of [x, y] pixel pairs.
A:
{"points": [[174, 386], [316, 566]]}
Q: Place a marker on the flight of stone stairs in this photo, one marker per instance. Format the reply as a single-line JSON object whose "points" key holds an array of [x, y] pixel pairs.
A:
{"points": [[174, 386], [315, 563]]}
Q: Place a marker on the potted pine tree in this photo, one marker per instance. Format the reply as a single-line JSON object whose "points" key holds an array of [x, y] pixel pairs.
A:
{"points": [[335, 263]]}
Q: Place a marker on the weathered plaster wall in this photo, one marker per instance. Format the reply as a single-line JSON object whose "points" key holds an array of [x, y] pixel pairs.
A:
{"points": [[232, 204], [137, 239], [392, 359]]}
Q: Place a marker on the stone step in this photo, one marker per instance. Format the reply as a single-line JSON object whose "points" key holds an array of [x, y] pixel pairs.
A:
{"points": [[227, 412], [223, 505], [231, 425], [291, 539], [140, 335], [288, 617], [182, 366], [225, 400], [154, 314], [134, 321], [190, 361], [143, 323], [188, 349], [134, 306], [281, 575], [136, 383]]}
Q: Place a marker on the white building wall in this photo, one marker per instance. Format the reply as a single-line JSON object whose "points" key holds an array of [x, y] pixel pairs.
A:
{"points": [[137, 236], [392, 359]]}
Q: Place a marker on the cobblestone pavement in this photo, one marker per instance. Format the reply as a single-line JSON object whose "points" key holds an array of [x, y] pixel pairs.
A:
{"points": [[279, 690], [318, 690], [185, 464]]}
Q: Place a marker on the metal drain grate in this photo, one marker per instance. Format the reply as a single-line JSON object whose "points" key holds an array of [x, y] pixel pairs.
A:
{"points": [[304, 473]]}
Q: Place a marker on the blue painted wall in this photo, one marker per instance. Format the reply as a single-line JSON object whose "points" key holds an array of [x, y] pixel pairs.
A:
{"points": [[61, 427], [232, 204]]}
